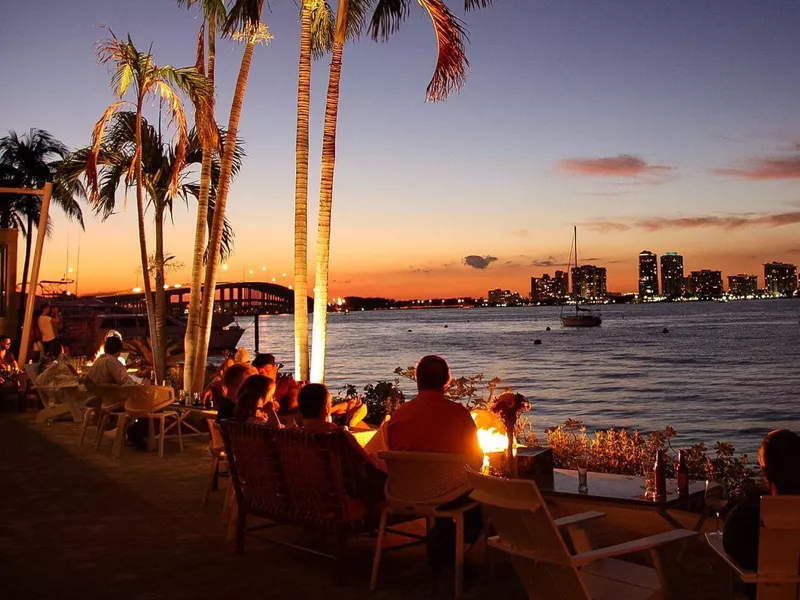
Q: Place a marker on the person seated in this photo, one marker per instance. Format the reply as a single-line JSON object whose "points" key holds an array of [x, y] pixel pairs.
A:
{"points": [[234, 377], [242, 356], [107, 369], [431, 422], [779, 459], [58, 372], [213, 392], [266, 365], [9, 369], [288, 406], [254, 401]]}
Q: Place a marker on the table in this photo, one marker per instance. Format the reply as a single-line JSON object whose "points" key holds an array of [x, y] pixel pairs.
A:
{"points": [[626, 491], [184, 410]]}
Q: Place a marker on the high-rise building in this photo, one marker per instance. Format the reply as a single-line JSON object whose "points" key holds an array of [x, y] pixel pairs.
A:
{"points": [[672, 278], [648, 274], [589, 282], [504, 297], [742, 285], [780, 278], [707, 283], [547, 288]]}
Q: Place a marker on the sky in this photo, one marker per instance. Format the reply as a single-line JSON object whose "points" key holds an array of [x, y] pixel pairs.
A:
{"points": [[666, 126]]}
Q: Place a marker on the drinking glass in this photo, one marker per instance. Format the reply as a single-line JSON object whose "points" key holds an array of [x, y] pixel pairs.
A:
{"points": [[716, 499], [649, 478], [582, 464]]}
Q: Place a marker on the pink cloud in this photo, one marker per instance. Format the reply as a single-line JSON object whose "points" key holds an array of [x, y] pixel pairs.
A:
{"points": [[765, 169], [724, 222], [622, 165]]}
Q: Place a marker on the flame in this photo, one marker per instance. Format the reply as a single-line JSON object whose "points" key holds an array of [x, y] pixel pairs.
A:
{"points": [[490, 439]]}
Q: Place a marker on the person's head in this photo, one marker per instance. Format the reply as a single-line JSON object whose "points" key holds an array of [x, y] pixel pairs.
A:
{"points": [[46, 309], [54, 349], [288, 403], [234, 378], [314, 401], [112, 345], [241, 356], [265, 363], [5, 343], [432, 373], [254, 391], [226, 364], [779, 457]]}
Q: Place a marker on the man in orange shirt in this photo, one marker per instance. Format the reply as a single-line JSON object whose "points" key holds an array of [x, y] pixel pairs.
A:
{"points": [[432, 422]]}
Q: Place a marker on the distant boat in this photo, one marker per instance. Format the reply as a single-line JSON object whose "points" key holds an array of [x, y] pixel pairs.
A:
{"points": [[584, 316]]}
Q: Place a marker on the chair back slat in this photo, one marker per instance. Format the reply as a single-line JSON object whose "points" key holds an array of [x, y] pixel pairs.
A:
{"points": [[779, 546], [145, 399], [114, 396], [216, 442], [425, 478], [526, 530]]}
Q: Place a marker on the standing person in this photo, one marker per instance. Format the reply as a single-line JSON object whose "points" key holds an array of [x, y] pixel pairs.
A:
{"points": [[48, 323], [432, 422]]}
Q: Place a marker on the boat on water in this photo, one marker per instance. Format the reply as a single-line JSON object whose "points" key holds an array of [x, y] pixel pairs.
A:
{"points": [[584, 316]]}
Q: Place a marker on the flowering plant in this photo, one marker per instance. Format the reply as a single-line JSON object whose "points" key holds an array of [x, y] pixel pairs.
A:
{"points": [[509, 407]]}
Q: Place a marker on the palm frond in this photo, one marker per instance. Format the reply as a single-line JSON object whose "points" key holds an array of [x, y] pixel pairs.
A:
{"points": [[97, 140], [323, 25], [452, 63], [243, 15], [357, 13], [387, 17], [215, 8], [476, 4]]}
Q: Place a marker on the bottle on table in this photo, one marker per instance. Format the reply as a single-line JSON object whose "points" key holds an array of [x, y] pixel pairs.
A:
{"points": [[683, 474], [660, 474]]}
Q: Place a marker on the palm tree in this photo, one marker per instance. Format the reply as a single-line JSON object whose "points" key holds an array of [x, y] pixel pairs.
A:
{"points": [[316, 35], [244, 23], [130, 66], [30, 161], [214, 13], [448, 76], [158, 170]]}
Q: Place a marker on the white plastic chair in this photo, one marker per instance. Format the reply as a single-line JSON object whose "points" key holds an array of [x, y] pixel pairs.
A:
{"points": [[148, 402], [541, 558], [778, 573], [113, 407], [419, 483]]}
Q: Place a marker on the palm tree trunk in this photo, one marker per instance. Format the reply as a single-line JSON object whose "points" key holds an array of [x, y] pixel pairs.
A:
{"points": [[148, 291], [25, 268], [160, 354], [196, 293], [301, 200], [215, 239], [320, 323]]}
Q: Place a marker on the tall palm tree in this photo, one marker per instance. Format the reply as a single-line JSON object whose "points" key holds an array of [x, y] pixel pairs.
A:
{"points": [[448, 76], [158, 171], [244, 23], [214, 14], [130, 66], [316, 36], [31, 160]]}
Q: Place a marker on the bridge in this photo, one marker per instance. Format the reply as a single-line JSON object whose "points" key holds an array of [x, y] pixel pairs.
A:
{"points": [[237, 298]]}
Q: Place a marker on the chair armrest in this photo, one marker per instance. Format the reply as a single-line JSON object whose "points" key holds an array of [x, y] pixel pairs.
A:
{"points": [[645, 543], [578, 519], [715, 542]]}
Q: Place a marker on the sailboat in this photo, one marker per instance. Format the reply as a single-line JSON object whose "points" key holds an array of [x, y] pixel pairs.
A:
{"points": [[584, 316]]}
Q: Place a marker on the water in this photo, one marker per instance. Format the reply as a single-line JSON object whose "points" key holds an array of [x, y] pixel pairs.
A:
{"points": [[723, 372]]}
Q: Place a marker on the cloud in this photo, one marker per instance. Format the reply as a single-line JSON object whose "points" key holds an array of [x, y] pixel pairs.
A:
{"points": [[550, 261], [605, 194], [479, 262], [724, 222], [520, 233], [622, 165], [795, 250], [765, 168], [414, 269]]}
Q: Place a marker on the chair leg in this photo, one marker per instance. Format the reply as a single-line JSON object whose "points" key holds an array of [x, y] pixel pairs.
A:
{"points": [[119, 436], [101, 427], [90, 412], [211, 479], [241, 522], [459, 555], [227, 506], [162, 420], [180, 436], [376, 563], [151, 433], [233, 522]]}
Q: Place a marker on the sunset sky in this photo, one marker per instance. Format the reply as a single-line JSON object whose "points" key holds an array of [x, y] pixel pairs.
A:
{"points": [[667, 126]]}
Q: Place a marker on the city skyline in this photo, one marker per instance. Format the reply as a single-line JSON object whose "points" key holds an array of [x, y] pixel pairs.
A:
{"points": [[644, 132]]}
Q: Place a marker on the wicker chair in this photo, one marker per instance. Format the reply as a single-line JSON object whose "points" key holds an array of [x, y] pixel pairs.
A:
{"points": [[216, 448], [295, 477], [419, 484], [148, 402]]}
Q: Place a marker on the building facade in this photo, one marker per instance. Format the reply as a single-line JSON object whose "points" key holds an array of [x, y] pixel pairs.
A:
{"points": [[648, 275], [548, 289], [780, 278], [589, 282], [672, 278], [742, 285], [706, 283], [504, 297]]}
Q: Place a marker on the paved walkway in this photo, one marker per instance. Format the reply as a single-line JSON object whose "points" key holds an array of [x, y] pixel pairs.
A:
{"points": [[75, 523]]}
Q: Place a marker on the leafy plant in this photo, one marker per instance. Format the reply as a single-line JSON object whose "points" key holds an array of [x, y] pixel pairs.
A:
{"points": [[141, 354], [475, 392]]}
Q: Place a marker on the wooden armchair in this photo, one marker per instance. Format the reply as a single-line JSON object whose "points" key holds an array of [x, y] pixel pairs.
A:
{"points": [[538, 550], [778, 574]]}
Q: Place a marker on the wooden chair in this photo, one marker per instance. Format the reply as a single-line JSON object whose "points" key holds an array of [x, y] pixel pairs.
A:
{"points": [[539, 553], [148, 402], [419, 484], [216, 448], [778, 573]]}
